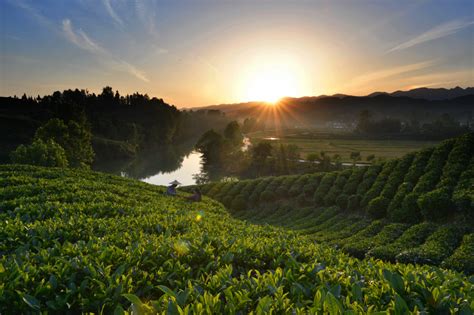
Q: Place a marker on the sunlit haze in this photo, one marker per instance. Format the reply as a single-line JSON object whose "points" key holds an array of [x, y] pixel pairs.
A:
{"points": [[193, 53]]}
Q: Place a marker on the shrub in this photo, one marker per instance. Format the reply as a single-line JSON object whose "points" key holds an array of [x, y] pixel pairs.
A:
{"points": [[267, 195], [440, 245], [369, 178], [435, 205], [354, 180], [40, 153], [342, 201], [301, 199], [409, 211], [353, 202], [463, 257], [239, 203], [456, 162], [379, 183], [378, 207], [324, 186], [227, 201], [412, 237], [463, 195], [464, 202], [434, 168]]}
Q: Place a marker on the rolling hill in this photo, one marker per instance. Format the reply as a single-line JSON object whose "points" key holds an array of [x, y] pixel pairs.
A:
{"points": [[76, 241], [416, 209]]}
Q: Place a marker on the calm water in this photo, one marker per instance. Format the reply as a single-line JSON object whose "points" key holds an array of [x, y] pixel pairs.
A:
{"points": [[161, 165], [190, 165]]}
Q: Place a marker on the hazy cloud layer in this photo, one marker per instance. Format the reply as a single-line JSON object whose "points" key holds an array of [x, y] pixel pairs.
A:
{"points": [[389, 72], [434, 33]]}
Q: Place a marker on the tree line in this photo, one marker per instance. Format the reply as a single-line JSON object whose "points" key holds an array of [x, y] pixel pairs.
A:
{"points": [[225, 154], [442, 127], [118, 126]]}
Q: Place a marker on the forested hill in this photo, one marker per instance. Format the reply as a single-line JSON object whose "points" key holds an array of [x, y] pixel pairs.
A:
{"points": [[418, 208], [120, 125], [310, 111]]}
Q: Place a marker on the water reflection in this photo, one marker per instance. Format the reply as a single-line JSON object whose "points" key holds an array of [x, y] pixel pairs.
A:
{"points": [[163, 164], [158, 165], [190, 165]]}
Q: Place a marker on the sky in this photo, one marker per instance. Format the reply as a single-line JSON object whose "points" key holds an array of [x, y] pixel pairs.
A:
{"points": [[202, 52]]}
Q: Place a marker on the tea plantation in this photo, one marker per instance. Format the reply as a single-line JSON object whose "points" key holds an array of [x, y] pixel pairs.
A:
{"points": [[416, 209], [78, 241]]}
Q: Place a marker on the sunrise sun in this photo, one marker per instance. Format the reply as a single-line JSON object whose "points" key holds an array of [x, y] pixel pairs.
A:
{"points": [[271, 80]]}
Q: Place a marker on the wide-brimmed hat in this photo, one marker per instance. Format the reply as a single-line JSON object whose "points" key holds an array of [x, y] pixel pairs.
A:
{"points": [[175, 182]]}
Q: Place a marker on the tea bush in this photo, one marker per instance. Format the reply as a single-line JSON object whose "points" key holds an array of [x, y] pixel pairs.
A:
{"points": [[77, 241]]}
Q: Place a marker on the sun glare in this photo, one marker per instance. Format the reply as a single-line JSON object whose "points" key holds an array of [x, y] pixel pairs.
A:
{"points": [[271, 81]]}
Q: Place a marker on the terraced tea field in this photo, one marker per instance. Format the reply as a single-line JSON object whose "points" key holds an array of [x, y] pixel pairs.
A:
{"points": [[75, 241], [416, 209]]}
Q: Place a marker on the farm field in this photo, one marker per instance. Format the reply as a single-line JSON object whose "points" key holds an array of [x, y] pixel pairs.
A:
{"points": [[82, 241], [415, 209], [385, 149]]}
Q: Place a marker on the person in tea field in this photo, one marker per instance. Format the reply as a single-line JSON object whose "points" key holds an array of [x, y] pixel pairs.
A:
{"points": [[196, 196], [171, 189]]}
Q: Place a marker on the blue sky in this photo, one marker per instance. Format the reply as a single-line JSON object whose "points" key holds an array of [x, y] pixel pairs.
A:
{"points": [[207, 52]]}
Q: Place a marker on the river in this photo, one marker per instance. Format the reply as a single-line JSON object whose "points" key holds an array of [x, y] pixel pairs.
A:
{"points": [[190, 165]]}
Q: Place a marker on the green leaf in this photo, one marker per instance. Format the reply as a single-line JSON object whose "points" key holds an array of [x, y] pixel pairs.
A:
{"points": [[332, 304], [167, 291], [173, 308], [53, 281], [357, 292], [401, 306], [182, 297], [133, 299], [395, 280], [119, 310], [31, 301]]}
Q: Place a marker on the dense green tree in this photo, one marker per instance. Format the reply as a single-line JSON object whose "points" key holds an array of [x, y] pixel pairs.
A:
{"points": [[233, 134], [74, 138], [40, 153], [210, 145]]}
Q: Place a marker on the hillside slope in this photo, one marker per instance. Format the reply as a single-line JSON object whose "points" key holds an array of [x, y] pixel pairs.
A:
{"points": [[418, 208], [76, 241]]}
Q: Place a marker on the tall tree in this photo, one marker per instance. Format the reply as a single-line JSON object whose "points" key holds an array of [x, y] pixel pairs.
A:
{"points": [[74, 138]]}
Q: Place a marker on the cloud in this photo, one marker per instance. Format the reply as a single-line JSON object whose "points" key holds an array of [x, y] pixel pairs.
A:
{"points": [[84, 42], [112, 13], [146, 12], [390, 72], [434, 33]]}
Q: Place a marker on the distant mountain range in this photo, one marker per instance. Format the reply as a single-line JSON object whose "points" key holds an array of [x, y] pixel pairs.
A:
{"points": [[429, 94], [423, 104]]}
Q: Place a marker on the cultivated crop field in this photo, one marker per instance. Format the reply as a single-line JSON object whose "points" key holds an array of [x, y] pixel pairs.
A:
{"points": [[386, 149], [78, 241], [417, 209]]}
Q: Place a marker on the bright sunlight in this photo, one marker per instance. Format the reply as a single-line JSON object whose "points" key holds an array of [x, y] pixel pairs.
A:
{"points": [[271, 80]]}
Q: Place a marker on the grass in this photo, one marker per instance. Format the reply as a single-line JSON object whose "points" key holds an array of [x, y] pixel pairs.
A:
{"points": [[384, 149]]}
